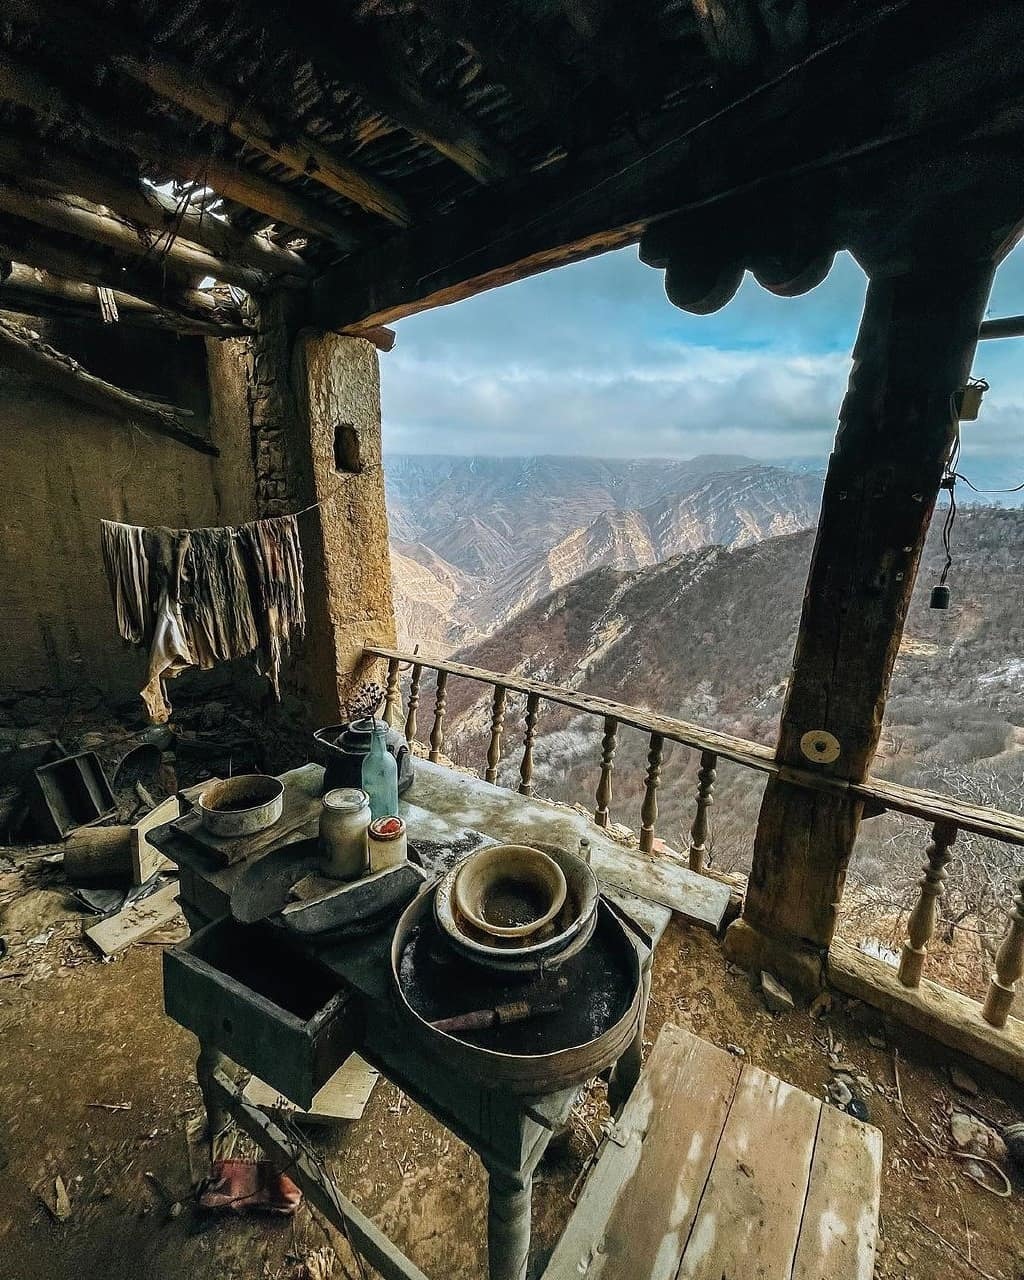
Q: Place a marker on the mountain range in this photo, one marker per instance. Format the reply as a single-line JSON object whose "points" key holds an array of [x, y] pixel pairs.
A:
{"points": [[475, 541], [708, 636]]}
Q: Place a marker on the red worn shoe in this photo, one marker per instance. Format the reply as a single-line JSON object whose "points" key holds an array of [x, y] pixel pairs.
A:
{"points": [[238, 1185]]}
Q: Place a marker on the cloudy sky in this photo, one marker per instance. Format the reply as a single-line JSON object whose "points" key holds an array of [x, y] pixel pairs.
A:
{"points": [[592, 359]]}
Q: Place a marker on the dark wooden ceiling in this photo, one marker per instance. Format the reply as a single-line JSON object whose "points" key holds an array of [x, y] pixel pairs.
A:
{"points": [[388, 155]]}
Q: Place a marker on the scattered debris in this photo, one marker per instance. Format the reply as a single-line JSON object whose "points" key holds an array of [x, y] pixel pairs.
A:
{"points": [[110, 1106], [776, 998], [820, 1005], [840, 1094], [60, 1209], [238, 1185], [858, 1108], [736, 1050], [876, 1042]]}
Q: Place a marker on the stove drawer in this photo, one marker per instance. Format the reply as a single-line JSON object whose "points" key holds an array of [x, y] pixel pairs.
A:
{"points": [[274, 1010]]}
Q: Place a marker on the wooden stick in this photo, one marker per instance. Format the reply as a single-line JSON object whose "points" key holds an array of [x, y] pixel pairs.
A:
{"points": [[986, 1275], [25, 351], [320, 1190]]}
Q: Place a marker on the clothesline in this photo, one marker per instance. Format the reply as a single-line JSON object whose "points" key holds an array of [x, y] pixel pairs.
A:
{"points": [[91, 515]]}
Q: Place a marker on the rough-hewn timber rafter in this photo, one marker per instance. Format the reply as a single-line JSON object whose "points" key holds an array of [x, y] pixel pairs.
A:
{"points": [[59, 170], [22, 84], [29, 291], [38, 248], [186, 89], [25, 351], [72, 217], [350, 56]]}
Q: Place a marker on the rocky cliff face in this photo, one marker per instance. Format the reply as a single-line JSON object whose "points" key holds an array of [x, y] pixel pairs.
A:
{"points": [[509, 531]]}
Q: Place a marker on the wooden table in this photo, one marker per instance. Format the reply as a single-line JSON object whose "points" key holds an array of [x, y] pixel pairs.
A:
{"points": [[510, 1134]]}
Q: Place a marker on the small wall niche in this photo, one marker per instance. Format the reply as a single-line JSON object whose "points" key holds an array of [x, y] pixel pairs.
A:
{"points": [[347, 458]]}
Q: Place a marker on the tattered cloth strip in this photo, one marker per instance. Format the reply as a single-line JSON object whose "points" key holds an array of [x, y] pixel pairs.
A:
{"points": [[195, 597]]}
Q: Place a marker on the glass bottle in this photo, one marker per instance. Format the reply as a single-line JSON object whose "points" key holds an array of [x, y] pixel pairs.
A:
{"points": [[344, 845], [380, 775]]}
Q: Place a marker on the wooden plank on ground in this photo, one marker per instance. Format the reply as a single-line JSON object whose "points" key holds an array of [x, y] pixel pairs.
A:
{"points": [[839, 1232], [133, 922], [637, 1206], [753, 1201], [343, 1097]]}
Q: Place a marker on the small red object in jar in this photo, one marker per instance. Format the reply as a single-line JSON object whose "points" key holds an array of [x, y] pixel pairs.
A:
{"points": [[387, 826]]}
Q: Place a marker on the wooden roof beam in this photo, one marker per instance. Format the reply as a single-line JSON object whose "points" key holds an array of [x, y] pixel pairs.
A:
{"points": [[31, 292], [351, 56], [183, 87], [61, 171], [822, 117], [66, 215], [1003, 327], [23, 85], [38, 248], [518, 55], [25, 351]]}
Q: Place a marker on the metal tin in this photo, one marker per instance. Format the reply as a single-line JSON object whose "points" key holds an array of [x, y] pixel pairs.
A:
{"points": [[241, 806], [389, 845]]}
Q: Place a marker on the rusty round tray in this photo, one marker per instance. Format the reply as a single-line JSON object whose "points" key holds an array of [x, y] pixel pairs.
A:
{"points": [[600, 1015]]}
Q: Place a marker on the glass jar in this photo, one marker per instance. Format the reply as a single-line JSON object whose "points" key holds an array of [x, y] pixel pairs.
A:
{"points": [[388, 843], [344, 820]]}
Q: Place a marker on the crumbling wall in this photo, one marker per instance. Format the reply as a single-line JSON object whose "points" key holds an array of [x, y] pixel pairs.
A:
{"points": [[64, 466]]}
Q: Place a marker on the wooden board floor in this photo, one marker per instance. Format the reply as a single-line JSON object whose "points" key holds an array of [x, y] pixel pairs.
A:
{"points": [[718, 1171]]}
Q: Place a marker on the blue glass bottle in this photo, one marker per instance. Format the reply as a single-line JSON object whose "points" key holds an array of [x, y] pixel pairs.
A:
{"points": [[380, 775]]}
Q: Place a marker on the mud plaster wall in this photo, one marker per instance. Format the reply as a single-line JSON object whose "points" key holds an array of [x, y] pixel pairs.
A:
{"points": [[64, 465]]}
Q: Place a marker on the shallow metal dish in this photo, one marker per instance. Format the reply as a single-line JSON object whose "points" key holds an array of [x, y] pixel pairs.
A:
{"points": [[241, 806], [576, 917]]}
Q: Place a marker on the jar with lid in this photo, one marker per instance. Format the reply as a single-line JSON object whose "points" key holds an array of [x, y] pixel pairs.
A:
{"points": [[388, 843], [344, 846]]}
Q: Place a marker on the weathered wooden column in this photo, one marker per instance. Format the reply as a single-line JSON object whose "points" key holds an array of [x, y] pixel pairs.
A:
{"points": [[896, 427], [313, 406]]}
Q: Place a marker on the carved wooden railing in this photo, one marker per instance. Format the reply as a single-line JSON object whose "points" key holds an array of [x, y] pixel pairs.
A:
{"points": [[947, 816]]}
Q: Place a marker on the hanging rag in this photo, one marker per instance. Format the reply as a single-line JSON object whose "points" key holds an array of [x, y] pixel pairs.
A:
{"points": [[195, 597]]}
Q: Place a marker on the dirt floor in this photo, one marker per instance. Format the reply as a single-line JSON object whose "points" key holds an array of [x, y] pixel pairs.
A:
{"points": [[98, 1087]]}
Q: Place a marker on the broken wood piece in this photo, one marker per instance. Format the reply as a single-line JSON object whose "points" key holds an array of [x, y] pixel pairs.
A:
{"points": [[98, 856], [342, 1098], [146, 859], [60, 1210], [25, 351], [118, 932]]}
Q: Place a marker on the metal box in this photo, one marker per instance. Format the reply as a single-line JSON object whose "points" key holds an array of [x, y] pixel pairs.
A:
{"points": [[270, 1008]]}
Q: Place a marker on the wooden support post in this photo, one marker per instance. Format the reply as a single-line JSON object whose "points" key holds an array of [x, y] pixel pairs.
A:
{"points": [[497, 725], [508, 1225], [923, 918], [414, 702], [440, 701], [1009, 967], [706, 775], [526, 767], [603, 798], [896, 427], [649, 808]]}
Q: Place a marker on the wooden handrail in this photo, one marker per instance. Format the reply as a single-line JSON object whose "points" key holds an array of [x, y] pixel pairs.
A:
{"points": [[931, 806]]}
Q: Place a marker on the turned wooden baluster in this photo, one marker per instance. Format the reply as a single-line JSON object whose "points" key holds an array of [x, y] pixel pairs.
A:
{"points": [[602, 816], [1009, 967], [924, 917], [706, 775], [649, 808], [414, 702], [440, 699], [393, 696], [526, 768], [497, 725]]}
